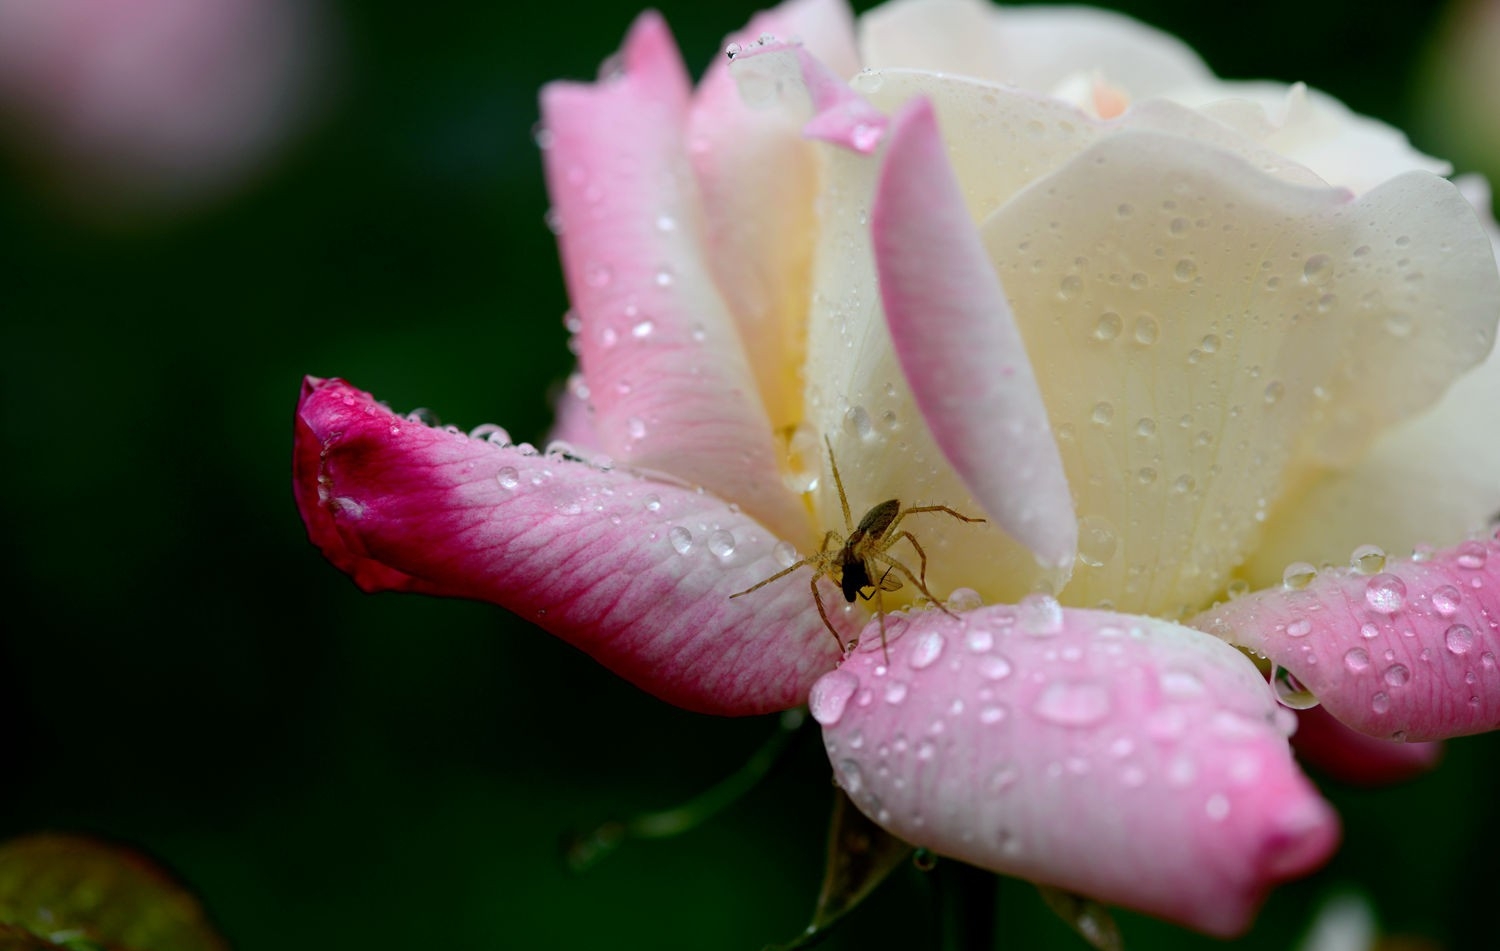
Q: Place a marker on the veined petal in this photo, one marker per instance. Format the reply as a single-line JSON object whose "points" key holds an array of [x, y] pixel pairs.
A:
{"points": [[958, 344], [1358, 759], [667, 376], [1123, 758], [1408, 652], [758, 177], [1206, 338], [636, 573], [1036, 48]]}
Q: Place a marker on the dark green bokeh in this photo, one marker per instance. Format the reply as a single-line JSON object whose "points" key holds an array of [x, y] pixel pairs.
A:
{"points": [[330, 769]]}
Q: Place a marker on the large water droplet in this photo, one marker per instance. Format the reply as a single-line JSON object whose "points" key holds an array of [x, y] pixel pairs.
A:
{"points": [[963, 599], [1073, 704], [895, 692], [1298, 575], [1471, 554], [1298, 627], [1459, 638], [1356, 660], [857, 423], [681, 539], [850, 778], [927, 650], [1386, 594], [1445, 600], [1318, 269], [1109, 326], [1367, 559], [1290, 691], [1039, 614], [1146, 330], [1397, 675], [721, 542], [994, 667], [508, 477], [830, 695]]}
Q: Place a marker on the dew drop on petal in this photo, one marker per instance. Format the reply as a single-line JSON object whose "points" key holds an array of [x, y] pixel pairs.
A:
{"points": [[963, 599], [1040, 614], [508, 477], [1459, 638], [1471, 554], [1380, 703], [1109, 326], [1290, 691], [1386, 594], [785, 554], [1445, 600], [928, 649], [994, 667], [1367, 559], [1073, 703], [830, 695], [1300, 627], [895, 692], [1097, 541], [1356, 659], [1298, 575], [681, 539], [721, 543], [1397, 675], [850, 778]]}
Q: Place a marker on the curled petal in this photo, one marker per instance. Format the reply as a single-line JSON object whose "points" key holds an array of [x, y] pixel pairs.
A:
{"points": [[840, 116], [957, 341], [668, 379], [1123, 758], [636, 573], [1358, 759], [1407, 652]]}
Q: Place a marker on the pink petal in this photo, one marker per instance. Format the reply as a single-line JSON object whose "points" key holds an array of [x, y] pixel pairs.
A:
{"points": [[634, 572], [758, 178], [959, 347], [1358, 759], [572, 422], [666, 373], [1123, 758], [1407, 653], [840, 117]]}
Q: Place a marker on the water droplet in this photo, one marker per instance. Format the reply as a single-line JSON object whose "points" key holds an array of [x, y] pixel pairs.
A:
{"points": [[1397, 675], [1145, 330], [850, 777], [927, 650], [664, 276], [1178, 227], [653, 503], [1356, 660], [642, 329], [665, 222], [1145, 427], [1040, 614], [994, 667], [1103, 414], [1380, 703], [1445, 600], [1290, 691], [1298, 575], [1369, 631], [1181, 684], [1183, 484], [598, 275], [1300, 627], [1003, 778], [1209, 344], [785, 554], [1386, 594], [963, 599], [1471, 554], [1069, 287], [721, 543], [1274, 392], [681, 539], [1217, 807], [1097, 541], [979, 640], [1459, 638], [1367, 559], [1073, 703], [895, 692], [857, 423], [508, 477], [635, 427], [830, 695], [1398, 324], [992, 714], [1109, 326], [1317, 269], [1185, 270]]}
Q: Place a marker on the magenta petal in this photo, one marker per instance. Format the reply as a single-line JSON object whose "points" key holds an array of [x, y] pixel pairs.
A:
{"points": [[636, 573], [1358, 759], [667, 377], [958, 344], [1407, 653], [1128, 759]]}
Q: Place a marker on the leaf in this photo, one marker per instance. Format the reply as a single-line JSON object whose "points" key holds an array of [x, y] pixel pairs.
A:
{"points": [[76, 893], [860, 856]]}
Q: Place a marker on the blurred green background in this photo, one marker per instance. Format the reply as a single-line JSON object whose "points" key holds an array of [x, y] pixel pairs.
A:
{"points": [[183, 671]]}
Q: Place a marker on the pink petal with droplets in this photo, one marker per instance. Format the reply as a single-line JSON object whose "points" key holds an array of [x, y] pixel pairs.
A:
{"points": [[959, 347], [840, 117], [669, 381], [1124, 758], [758, 178], [1355, 758], [634, 572], [1406, 653], [573, 421]]}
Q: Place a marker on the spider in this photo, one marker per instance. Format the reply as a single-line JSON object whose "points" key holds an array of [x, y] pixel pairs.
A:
{"points": [[861, 560]]}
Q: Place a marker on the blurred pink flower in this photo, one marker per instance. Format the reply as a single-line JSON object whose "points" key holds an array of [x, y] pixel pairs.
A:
{"points": [[1036, 263], [155, 102]]}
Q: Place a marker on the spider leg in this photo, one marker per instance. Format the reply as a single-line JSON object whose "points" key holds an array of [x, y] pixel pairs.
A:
{"points": [[885, 652], [818, 559], [921, 585], [929, 508], [843, 499], [823, 613]]}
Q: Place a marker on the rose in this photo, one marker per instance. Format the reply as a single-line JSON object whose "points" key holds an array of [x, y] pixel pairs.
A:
{"points": [[1137, 334]]}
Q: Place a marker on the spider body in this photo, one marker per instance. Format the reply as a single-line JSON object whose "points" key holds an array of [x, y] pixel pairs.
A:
{"points": [[861, 560]]}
